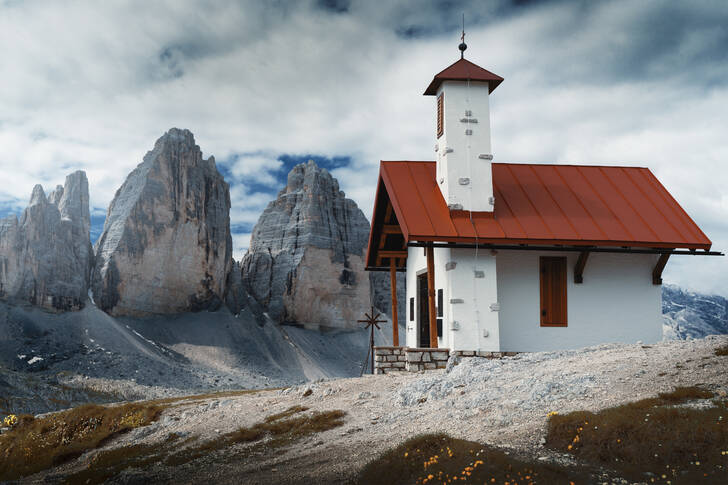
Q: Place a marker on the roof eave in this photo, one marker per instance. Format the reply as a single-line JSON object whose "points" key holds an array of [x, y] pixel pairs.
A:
{"points": [[435, 84]]}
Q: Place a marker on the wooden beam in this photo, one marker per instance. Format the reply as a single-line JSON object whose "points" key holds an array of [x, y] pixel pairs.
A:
{"points": [[387, 216], [579, 268], [392, 254], [382, 240], [431, 295], [393, 283], [657, 272], [388, 213], [391, 229]]}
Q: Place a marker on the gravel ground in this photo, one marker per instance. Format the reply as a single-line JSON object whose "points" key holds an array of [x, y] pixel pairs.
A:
{"points": [[500, 402]]}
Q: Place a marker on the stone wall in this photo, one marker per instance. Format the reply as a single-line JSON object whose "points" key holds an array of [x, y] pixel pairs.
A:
{"points": [[389, 359], [487, 355], [426, 359], [410, 359]]}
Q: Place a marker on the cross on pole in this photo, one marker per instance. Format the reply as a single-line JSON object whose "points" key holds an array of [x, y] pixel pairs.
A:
{"points": [[371, 320]]}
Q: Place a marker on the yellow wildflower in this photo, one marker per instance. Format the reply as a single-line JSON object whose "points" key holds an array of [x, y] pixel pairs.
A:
{"points": [[11, 420]]}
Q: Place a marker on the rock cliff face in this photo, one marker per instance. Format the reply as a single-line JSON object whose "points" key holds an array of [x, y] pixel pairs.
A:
{"points": [[305, 264], [46, 257], [166, 245], [686, 314]]}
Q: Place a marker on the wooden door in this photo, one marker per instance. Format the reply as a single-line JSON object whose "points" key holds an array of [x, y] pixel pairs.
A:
{"points": [[553, 291]]}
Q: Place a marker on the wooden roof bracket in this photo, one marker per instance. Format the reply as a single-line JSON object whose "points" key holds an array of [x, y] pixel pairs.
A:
{"points": [[579, 268], [659, 267]]}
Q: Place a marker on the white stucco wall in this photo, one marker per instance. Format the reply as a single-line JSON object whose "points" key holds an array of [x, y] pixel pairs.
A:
{"points": [[467, 325], [617, 302], [463, 161], [416, 264]]}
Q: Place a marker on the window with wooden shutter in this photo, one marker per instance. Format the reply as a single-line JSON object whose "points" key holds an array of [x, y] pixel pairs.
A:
{"points": [[553, 291], [440, 124]]}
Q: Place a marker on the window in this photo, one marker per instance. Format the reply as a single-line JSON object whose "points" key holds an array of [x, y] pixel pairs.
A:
{"points": [[412, 309], [440, 124], [553, 291], [439, 312]]}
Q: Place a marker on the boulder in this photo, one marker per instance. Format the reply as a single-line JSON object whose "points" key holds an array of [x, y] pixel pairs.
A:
{"points": [[166, 244]]}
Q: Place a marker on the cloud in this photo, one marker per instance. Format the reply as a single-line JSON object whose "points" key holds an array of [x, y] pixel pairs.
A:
{"points": [[640, 83]]}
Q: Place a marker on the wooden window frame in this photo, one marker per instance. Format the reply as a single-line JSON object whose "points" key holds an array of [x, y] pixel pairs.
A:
{"points": [[440, 115], [547, 264]]}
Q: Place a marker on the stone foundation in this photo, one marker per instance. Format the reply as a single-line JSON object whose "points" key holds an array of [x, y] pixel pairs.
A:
{"points": [[425, 358], [482, 353], [411, 359], [389, 359]]}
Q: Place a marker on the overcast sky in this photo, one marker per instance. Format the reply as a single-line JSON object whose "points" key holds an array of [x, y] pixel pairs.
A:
{"points": [[265, 85]]}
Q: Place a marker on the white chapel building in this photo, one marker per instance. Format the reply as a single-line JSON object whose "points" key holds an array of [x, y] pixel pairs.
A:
{"points": [[514, 257]]}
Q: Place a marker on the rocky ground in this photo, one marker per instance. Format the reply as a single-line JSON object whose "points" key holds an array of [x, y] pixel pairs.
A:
{"points": [[500, 402], [54, 361]]}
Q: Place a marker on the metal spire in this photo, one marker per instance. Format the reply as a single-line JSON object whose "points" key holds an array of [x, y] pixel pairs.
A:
{"points": [[463, 45]]}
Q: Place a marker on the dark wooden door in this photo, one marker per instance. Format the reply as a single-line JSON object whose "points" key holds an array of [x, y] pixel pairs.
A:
{"points": [[423, 315], [553, 291]]}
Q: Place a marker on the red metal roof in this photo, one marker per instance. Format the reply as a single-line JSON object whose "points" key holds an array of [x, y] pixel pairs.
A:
{"points": [[542, 204], [463, 70]]}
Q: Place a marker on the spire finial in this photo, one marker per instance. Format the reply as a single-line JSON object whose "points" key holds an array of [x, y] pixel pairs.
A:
{"points": [[463, 45]]}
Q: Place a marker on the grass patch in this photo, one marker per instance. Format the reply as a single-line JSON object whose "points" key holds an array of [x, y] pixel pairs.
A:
{"points": [[650, 440], [440, 459], [281, 429], [37, 444], [722, 351]]}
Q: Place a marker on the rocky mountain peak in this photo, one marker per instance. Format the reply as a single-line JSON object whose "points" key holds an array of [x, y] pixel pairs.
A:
{"points": [[166, 244], [305, 263], [46, 258], [73, 200], [38, 196]]}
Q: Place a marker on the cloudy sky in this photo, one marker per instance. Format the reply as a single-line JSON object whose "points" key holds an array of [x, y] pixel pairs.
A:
{"points": [[265, 85]]}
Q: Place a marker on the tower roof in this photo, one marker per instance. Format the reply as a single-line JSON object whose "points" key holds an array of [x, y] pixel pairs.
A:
{"points": [[463, 70]]}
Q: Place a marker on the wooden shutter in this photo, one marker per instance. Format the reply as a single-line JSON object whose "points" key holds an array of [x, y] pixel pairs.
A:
{"points": [[440, 124], [553, 291]]}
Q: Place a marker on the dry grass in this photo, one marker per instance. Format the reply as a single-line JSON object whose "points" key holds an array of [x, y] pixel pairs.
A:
{"points": [[37, 444], [652, 440], [281, 429], [440, 459], [722, 351]]}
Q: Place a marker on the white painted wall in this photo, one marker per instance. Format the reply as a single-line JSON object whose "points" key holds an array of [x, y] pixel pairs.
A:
{"points": [[416, 264], [463, 161], [617, 302], [464, 324]]}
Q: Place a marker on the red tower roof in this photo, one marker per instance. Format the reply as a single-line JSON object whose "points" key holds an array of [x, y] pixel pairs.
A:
{"points": [[463, 70]]}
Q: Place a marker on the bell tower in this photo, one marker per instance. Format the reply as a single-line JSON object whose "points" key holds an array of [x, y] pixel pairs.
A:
{"points": [[463, 148]]}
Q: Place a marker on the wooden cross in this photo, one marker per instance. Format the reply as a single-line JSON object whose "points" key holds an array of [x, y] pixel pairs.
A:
{"points": [[371, 320]]}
